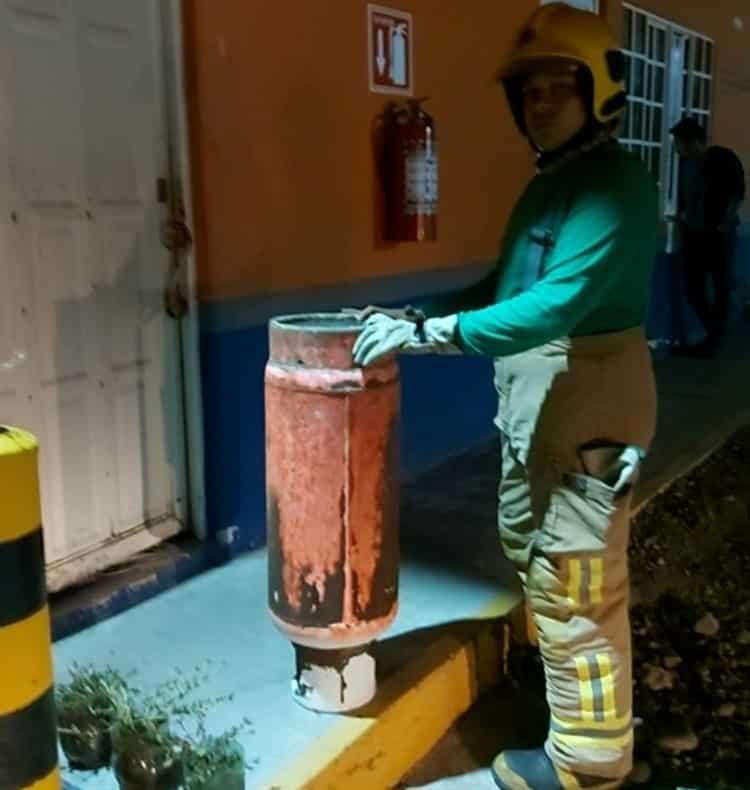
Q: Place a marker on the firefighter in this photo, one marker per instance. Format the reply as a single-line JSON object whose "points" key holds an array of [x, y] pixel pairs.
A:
{"points": [[562, 314]]}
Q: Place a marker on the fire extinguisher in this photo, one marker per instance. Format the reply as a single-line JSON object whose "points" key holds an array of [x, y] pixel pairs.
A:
{"points": [[411, 174]]}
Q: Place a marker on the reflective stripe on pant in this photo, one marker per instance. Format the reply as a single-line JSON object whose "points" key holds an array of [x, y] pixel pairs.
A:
{"points": [[567, 531]]}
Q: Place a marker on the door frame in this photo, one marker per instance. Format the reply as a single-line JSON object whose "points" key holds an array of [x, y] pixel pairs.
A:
{"points": [[178, 138]]}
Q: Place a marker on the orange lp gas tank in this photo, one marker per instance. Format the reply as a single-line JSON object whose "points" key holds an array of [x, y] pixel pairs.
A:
{"points": [[332, 504]]}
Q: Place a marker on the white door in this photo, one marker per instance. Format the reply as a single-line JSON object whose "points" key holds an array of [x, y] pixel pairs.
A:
{"points": [[90, 361]]}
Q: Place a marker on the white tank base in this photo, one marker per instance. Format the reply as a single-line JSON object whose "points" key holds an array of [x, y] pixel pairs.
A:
{"points": [[334, 681]]}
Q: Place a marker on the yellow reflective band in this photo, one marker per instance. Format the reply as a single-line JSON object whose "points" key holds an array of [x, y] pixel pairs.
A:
{"points": [[587, 742], [612, 724], [597, 579], [574, 582], [567, 780], [25, 662], [586, 690], [608, 685]]}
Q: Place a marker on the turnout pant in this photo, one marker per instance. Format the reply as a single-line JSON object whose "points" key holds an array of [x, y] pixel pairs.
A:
{"points": [[569, 414]]}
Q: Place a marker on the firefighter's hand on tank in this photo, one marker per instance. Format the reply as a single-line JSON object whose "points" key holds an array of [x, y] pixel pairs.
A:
{"points": [[407, 313], [383, 335]]}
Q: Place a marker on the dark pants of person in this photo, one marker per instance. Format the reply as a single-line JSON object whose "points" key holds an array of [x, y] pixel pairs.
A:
{"points": [[707, 256]]}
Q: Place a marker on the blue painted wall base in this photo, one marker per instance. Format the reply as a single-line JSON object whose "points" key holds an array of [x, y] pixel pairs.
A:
{"points": [[158, 570], [670, 317], [448, 403]]}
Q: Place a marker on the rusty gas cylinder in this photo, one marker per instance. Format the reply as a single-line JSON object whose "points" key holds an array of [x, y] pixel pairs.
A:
{"points": [[332, 504]]}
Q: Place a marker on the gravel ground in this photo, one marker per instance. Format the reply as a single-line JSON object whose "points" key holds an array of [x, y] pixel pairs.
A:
{"points": [[690, 558]]}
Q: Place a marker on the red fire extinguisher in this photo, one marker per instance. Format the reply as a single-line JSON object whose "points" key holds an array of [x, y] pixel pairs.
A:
{"points": [[411, 174]]}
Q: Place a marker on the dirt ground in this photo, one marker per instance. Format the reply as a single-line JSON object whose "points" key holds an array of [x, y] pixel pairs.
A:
{"points": [[690, 561]]}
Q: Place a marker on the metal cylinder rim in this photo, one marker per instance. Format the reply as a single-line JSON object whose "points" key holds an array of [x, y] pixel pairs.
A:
{"points": [[327, 323]]}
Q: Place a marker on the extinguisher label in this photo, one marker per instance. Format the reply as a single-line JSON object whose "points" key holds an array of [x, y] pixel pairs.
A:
{"points": [[422, 182]]}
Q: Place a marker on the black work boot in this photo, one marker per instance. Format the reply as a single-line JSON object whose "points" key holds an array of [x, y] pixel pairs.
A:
{"points": [[531, 769]]}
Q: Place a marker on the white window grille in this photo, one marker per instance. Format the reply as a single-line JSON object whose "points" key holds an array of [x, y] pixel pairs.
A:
{"points": [[698, 78], [670, 75]]}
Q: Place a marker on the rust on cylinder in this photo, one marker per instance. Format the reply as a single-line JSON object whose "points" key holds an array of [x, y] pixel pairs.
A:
{"points": [[331, 465]]}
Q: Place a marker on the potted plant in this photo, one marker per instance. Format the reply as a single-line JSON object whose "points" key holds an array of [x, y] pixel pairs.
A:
{"points": [[86, 710], [215, 763], [148, 753], [212, 762]]}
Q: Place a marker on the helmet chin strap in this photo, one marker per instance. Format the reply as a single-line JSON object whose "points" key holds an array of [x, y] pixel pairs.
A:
{"points": [[593, 135]]}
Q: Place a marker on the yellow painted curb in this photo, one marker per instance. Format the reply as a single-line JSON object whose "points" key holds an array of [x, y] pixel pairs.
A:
{"points": [[415, 707]]}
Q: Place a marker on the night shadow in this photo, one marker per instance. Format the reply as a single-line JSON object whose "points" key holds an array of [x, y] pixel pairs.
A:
{"points": [[506, 717], [449, 517]]}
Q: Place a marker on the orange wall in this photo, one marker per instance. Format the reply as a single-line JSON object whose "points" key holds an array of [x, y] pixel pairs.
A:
{"points": [[281, 124], [285, 182]]}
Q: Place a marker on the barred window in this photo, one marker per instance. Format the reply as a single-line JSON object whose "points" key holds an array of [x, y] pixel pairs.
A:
{"points": [[670, 75]]}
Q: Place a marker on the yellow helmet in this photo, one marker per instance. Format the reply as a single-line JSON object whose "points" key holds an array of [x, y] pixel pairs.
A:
{"points": [[560, 32]]}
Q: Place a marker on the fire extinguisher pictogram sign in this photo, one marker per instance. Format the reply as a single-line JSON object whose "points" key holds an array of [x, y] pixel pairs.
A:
{"points": [[390, 50]]}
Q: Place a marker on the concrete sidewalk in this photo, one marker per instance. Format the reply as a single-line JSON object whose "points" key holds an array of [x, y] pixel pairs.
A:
{"points": [[220, 616], [445, 646]]}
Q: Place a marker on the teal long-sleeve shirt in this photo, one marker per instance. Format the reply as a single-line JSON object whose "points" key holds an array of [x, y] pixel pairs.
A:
{"points": [[576, 259]]}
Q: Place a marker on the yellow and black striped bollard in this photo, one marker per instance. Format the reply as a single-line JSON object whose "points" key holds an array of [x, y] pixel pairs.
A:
{"points": [[28, 730]]}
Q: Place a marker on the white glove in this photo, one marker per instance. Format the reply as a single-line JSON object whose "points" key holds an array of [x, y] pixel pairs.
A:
{"points": [[618, 467], [630, 459], [383, 335]]}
